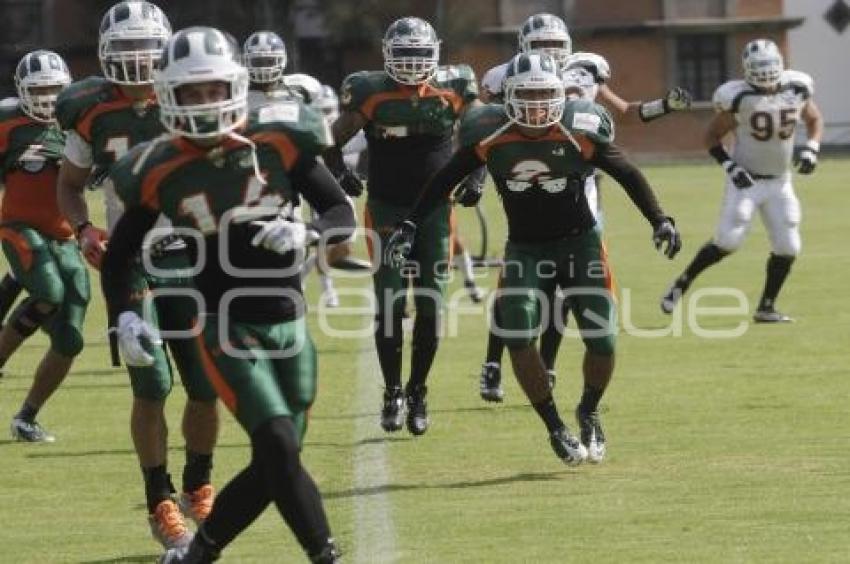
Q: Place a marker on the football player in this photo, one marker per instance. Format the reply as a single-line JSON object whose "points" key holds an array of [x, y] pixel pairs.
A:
{"points": [[762, 111], [408, 111], [548, 33], [264, 55], [105, 117], [37, 241], [539, 149], [253, 339]]}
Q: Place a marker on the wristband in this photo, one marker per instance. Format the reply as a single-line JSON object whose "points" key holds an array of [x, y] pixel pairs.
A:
{"points": [[655, 109]]}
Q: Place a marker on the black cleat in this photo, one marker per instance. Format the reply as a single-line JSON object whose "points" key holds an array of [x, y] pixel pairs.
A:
{"points": [[329, 554], [392, 413], [592, 436], [491, 382], [551, 377], [770, 315], [417, 410], [567, 447]]}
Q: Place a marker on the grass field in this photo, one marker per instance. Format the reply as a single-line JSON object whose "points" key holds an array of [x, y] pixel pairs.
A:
{"points": [[721, 450]]}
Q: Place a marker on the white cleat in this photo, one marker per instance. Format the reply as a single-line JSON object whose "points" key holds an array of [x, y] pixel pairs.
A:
{"points": [[331, 299], [567, 447]]}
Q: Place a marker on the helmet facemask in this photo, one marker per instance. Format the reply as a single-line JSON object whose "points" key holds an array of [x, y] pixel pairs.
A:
{"points": [[38, 89], [763, 64], [534, 93], [411, 51], [132, 38], [548, 34], [264, 55]]}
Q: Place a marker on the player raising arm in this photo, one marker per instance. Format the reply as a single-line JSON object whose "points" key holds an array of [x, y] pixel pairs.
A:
{"points": [[539, 149]]}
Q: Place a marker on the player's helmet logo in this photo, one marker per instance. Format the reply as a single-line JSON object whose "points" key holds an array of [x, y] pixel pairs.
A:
{"points": [[411, 51], [39, 77], [762, 64], [201, 55], [546, 33], [264, 55], [534, 93], [132, 37]]}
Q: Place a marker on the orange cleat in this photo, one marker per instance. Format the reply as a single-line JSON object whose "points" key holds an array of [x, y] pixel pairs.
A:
{"points": [[197, 504], [168, 526]]}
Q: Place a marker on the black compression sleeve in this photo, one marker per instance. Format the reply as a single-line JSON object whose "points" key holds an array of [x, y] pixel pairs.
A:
{"points": [[124, 244], [719, 153], [437, 189], [324, 194], [612, 160]]}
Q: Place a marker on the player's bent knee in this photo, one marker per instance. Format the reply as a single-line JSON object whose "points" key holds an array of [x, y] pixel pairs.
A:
{"points": [[32, 314], [66, 340], [602, 346], [149, 384]]}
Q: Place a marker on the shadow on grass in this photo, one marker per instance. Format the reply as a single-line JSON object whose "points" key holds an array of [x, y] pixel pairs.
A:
{"points": [[389, 488], [489, 407], [113, 452], [134, 558]]}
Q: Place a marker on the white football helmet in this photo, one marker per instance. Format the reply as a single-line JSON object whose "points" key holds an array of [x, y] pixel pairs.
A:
{"points": [[132, 37], [411, 51], [327, 103], [39, 77], [547, 33], [303, 86], [579, 83], [264, 55], [593, 63], [762, 64], [534, 93], [198, 55]]}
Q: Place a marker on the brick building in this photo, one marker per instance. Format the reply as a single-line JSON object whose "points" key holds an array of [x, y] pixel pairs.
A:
{"points": [[650, 44]]}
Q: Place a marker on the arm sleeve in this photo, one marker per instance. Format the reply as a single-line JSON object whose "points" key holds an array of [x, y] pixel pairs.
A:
{"points": [[611, 159], [124, 245], [462, 163], [324, 194], [78, 151]]}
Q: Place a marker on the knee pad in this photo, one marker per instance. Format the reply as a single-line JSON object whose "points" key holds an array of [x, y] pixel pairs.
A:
{"points": [[31, 314], [66, 339], [787, 242]]}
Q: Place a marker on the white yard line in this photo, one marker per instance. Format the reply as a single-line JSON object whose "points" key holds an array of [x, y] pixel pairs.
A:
{"points": [[374, 534]]}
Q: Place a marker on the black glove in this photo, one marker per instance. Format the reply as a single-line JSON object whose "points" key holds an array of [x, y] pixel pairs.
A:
{"points": [[739, 175], [665, 232], [807, 159], [350, 182], [469, 192], [399, 244]]}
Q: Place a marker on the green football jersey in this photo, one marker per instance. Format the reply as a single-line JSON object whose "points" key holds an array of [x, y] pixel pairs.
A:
{"points": [[540, 179], [107, 120], [30, 152], [215, 195]]}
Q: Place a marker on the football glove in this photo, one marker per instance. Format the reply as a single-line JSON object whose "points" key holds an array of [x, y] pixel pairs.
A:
{"points": [[677, 99], [738, 175], [469, 191], [399, 244], [92, 242], [282, 235], [350, 182], [665, 232], [807, 159], [131, 330]]}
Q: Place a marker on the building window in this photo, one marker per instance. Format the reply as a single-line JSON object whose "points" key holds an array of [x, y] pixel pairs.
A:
{"points": [[701, 63]]}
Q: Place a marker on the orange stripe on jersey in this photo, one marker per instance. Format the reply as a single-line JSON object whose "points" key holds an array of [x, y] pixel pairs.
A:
{"points": [[554, 134], [85, 125], [20, 244], [282, 144], [7, 127], [406, 93], [150, 185], [367, 224], [610, 282], [453, 238], [219, 384]]}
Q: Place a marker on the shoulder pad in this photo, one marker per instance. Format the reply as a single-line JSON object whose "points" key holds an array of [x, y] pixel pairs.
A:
{"points": [[307, 129], [129, 172], [479, 122], [493, 80], [303, 85], [589, 119], [75, 100], [357, 87], [7, 103], [725, 95], [593, 63], [799, 81]]}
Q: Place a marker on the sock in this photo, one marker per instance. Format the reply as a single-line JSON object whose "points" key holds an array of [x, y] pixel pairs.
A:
{"points": [[275, 449], [548, 412], [237, 505], [778, 267], [463, 262], [590, 399], [389, 349], [196, 472], [158, 485], [309, 264], [425, 341], [495, 345], [708, 255], [326, 282], [27, 412]]}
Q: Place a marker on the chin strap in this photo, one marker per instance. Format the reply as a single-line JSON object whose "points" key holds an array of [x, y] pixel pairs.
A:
{"points": [[242, 139]]}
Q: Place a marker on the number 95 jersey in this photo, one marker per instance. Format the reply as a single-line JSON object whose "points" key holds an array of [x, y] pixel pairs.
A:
{"points": [[764, 137]]}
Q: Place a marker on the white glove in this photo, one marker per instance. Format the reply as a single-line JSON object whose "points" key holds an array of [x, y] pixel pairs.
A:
{"points": [[131, 330], [282, 235]]}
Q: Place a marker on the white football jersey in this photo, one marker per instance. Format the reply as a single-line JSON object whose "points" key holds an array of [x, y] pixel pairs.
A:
{"points": [[257, 98], [596, 65], [764, 136]]}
